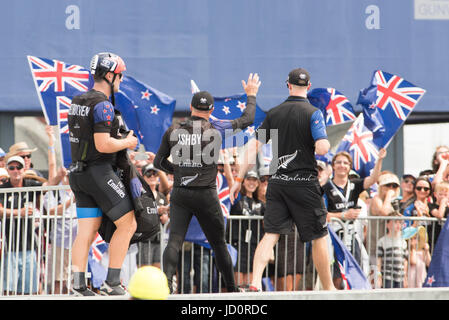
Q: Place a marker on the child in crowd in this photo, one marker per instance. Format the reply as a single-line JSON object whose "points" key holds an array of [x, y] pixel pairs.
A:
{"points": [[419, 257], [392, 255], [439, 209]]}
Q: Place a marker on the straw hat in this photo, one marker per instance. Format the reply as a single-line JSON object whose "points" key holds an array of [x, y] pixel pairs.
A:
{"points": [[19, 147], [31, 174]]}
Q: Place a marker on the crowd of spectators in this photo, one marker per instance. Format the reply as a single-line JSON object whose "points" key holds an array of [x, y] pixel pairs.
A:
{"points": [[383, 194]]}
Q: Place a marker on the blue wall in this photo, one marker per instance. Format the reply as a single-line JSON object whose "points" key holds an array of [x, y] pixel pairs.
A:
{"points": [[218, 43]]}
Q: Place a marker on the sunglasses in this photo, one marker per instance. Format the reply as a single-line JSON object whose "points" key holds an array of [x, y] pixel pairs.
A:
{"points": [[264, 178], [392, 185], [26, 156], [423, 188], [19, 167], [150, 173]]}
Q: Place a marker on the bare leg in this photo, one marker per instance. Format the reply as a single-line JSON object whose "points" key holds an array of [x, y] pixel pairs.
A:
{"points": [[262, 257], [87, 229], [119, 244], [320, 255]]}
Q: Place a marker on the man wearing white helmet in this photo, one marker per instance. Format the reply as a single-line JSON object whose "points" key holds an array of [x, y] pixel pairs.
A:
{"points": [[95, 140]]}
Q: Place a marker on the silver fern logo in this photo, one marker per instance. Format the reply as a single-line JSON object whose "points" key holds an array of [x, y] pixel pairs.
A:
{"points": [[186, 180], [285, 160]]}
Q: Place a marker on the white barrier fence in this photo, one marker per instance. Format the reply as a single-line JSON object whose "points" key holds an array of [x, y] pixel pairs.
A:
{"points": [[35, 248]]}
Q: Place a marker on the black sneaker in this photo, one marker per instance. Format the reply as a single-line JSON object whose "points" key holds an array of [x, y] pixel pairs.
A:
{"points": [[82, 292], [107, 290]]}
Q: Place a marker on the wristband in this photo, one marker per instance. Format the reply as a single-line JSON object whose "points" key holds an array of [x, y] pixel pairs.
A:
{"points": [[52, 149], [343, 215], [238, 179]]}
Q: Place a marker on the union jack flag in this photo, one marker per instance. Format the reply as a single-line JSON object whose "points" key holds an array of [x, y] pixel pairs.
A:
{"points": [[358, 142], [94, 266], [63, 105], [53, 78], [393, 91], [352, 274], [394, 97], [223, 194], [335, 107], [99, 247]]}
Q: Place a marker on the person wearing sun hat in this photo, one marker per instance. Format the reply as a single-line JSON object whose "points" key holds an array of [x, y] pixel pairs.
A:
{"points": [[23, 150], [21, 250]]}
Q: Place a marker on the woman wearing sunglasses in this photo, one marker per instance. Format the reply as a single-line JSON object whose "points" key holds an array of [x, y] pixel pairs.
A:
{"points": [[420, 206]]}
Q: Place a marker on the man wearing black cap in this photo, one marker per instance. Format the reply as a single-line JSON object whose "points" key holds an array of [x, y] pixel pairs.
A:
{"points": [[194, 146], [294, 194]]}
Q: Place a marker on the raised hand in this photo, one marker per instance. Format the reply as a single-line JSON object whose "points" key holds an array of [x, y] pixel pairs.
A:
{"points": [[252, 86]]}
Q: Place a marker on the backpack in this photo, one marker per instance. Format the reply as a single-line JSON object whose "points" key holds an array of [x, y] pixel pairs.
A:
{"points": [[145, 207]]}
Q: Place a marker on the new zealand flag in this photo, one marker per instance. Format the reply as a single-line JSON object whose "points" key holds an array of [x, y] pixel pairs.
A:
{"points": [[386, 103], [145, 110], [56, 84]]}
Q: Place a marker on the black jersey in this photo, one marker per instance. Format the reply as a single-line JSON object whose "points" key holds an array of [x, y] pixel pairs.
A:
{"points": [[89, 113], [337, 199], [298, 125], [194, 147]]}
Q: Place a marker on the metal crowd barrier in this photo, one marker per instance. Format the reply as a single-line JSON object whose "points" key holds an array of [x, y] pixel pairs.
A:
{"points": [[32, 262]]}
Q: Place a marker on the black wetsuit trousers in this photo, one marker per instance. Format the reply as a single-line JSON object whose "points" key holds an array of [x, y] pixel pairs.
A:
{"points": [[205, 205]]}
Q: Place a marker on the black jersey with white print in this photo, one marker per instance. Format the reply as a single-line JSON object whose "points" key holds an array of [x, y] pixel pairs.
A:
{"points": [[294, 126]]}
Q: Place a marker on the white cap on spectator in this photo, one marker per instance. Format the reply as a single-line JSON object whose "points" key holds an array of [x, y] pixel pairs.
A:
{"points": [[16, 159]]}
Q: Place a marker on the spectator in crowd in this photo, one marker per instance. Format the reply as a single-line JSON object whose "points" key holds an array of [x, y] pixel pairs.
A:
{"points": [[246, 233], [419, 257], [392, 255], [23, 150], [380, 206], [323, 172], [407, 190], [150, 252], [263, 184], [440, 160], [420, 206], [2, 158], [3, 175], [439, 210], [59, 204], [19, 258], [341, 195]]}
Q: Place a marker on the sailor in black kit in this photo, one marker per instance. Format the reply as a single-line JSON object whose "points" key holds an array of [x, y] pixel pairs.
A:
{"points": [[194, 146], [95, 139], [294, 195]]}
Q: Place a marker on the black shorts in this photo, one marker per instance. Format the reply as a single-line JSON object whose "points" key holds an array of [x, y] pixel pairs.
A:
{"points": [[302, 205], [99, 188]]}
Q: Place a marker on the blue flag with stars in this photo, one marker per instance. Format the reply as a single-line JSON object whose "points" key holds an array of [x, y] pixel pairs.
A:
{"points": [[232, 107], [438, 272], [145, 110]]}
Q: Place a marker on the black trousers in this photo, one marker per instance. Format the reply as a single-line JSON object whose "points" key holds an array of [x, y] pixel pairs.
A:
{"points": [[205, 205]]}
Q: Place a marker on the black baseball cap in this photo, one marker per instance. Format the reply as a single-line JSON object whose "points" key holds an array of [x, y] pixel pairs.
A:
{"points": [[299, 77], [202, 100], [407, 175]]}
